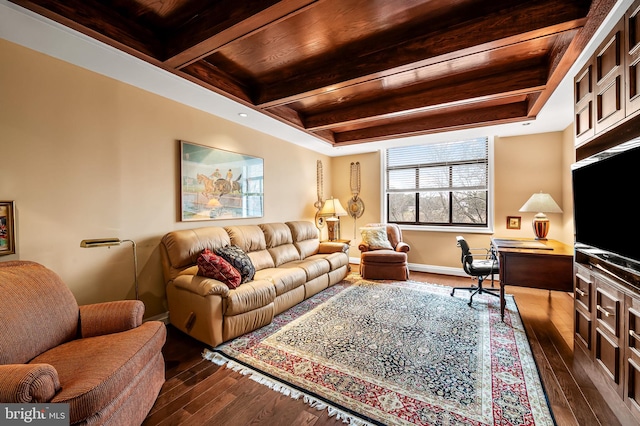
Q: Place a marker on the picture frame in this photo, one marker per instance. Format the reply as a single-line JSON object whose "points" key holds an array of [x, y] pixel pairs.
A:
{"points": [[513, 222], [216, 184], [7, 228]]}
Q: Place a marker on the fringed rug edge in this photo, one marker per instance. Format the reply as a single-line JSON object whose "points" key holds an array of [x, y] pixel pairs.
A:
{"points": [[285, 389]]}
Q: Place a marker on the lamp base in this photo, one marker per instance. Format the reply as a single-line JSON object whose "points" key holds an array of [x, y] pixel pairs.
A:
{"points": [[541, 226], [333, 228]]}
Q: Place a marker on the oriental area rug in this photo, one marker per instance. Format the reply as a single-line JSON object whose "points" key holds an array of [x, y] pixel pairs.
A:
{"points": [[397, 353]]}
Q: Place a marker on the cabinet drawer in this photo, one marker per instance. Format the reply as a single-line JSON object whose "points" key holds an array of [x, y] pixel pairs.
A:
{"points": [[583, 290], [608, 309], [608, 355]]}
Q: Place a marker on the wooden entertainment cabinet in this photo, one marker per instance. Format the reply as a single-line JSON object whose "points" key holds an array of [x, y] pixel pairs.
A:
{"points": [[607, 327], [607, 295]]}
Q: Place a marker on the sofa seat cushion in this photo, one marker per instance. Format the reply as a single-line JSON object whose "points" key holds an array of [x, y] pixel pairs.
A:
{"points": [[336, 260], [313, 266], [95, 370], [384, 256], [284, 279], [249, 296]]}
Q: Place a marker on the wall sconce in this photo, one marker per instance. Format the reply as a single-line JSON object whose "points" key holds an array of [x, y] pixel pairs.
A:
{"points": [[541, 203], [108, 242], [332, 209]]}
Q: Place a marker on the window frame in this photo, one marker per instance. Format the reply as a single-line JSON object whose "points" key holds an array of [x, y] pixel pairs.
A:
{"points": [[478, 229]]}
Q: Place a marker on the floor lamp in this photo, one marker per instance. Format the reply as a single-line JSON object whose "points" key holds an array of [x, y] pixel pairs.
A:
{"points": [[332, 210], [108, 242]]}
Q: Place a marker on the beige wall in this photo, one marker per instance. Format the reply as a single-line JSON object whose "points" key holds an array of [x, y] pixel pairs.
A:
{"points": [[522, 166], [85, 156]]}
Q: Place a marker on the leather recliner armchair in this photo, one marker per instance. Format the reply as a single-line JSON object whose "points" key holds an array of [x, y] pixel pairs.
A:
{"points": [[385, 264]]}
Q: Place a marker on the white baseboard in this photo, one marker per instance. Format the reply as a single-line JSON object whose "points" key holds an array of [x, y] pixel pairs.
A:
{"points": [[434, 269]]}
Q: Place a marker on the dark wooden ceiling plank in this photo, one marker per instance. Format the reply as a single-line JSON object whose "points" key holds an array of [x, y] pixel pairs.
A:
{"points": [[211, 77], [327, 135], [596, 16], [286, 114], [532, 20], [476, 117], [471, 90], [224, 22], [529, 54], [100, 22]]}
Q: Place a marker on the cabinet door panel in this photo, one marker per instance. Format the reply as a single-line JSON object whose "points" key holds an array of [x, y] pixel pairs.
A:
{"points": [[610, 92], [632, 60], [608, 355], [584, 114], [583, 330], [633, 354]]}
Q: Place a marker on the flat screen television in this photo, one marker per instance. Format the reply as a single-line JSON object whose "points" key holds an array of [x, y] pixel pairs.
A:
{"points": [[606, 197]]}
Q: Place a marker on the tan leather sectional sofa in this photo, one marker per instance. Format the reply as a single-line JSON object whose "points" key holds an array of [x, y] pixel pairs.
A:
{"points": [[291, 265]]}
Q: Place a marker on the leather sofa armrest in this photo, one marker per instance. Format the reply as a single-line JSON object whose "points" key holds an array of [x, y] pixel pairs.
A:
{"points": [[201, 286], [110, 317], [28, 383], [403, 247], [327, 247]]}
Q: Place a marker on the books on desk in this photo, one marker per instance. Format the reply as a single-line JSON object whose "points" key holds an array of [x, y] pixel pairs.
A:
{"points": [[519, 244]]}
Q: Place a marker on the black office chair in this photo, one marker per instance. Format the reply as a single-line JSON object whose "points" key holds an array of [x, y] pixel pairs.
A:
{"points": [[478, 268]]}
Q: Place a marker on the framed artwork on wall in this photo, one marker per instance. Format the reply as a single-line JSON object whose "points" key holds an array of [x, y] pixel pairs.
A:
{"points": [[7, 231], [219, 184], [513, 222]]}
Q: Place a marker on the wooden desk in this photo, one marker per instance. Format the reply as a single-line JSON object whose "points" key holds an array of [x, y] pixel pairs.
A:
{"points": [[524, 262]]}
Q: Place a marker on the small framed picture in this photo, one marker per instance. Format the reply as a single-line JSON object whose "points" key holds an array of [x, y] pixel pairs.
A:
{"points": [[7, 233], [513, 222]]}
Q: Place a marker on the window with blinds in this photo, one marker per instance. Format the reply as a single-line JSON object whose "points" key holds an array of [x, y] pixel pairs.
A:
{"points": [[438, 184]]}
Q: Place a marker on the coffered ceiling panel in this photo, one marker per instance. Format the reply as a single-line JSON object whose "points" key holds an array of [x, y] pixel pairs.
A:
{"points": [[355, 71]]}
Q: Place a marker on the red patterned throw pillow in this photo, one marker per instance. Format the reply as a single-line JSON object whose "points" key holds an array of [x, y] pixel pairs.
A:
{"points": [[211, 265]]}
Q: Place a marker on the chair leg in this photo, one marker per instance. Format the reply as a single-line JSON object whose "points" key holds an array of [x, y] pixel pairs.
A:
{"points": [[476, 290], [462, 288]]}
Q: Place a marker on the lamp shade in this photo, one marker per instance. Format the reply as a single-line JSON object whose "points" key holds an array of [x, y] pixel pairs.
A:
{"points": [[541, 203], [332, 207]]}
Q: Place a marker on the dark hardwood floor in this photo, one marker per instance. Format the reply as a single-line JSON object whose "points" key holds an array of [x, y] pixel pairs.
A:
{"points": [[198, 392]]}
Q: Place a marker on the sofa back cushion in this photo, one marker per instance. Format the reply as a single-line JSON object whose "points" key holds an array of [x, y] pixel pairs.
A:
{"points": [[250, 239], [280, 243], [38, 311], [180, 249], [305, 237]]}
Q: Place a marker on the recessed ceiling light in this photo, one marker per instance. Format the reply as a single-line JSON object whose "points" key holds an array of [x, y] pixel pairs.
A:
{"points": [[243, 114]]}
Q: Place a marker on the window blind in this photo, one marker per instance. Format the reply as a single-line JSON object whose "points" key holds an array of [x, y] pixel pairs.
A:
{"points": [[449, 166]]}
